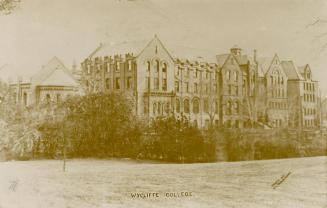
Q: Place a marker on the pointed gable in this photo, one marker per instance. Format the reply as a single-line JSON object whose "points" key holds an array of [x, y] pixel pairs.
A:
{"points": [[291, 70], [156, 47], [54, 74]]}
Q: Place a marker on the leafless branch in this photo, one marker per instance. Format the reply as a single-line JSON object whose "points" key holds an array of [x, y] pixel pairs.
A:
{"points": [[317, 22], [7, 6]]}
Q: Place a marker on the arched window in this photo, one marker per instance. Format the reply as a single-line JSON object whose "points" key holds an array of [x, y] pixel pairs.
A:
{"points": [[228, 75], [164, 68], [178, 105], [148, 65], [157, 66], [186, 106], [196, 106]]}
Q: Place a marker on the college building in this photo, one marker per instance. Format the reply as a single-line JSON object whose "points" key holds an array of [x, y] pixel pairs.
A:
{"points": [[52, 84], [231, 90]]}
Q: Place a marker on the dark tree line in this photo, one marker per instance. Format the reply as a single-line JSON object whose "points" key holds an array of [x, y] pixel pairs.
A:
{"points": [[104, 125]]}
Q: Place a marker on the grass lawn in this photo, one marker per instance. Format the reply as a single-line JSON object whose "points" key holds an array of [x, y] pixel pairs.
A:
{"points": [[110, 183]]}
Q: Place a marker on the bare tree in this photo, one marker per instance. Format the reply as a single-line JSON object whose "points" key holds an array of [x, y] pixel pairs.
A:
{"points": [[7, 6]]}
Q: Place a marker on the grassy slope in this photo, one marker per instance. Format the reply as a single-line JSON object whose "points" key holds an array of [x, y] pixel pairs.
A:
{"points": [[100, 183]]}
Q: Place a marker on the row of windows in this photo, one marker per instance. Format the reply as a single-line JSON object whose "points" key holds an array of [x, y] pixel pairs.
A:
{"points": [[47, 98], [278, 93], [232, 75], [309, 86], [277, 105], [195, 87], [107, 66], [309, 122], [156, 84], [233, 90], [309, 98], [309, 111], [196, 73], [196, 106], [233, 105], [276, 80], [157, 67], [158, 108]]}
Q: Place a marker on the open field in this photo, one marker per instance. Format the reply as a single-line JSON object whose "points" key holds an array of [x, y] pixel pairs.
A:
{"points": [[103, 183]]}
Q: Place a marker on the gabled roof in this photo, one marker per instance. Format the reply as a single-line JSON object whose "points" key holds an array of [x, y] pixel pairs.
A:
{"points": [[241, 59], [54, 73], [264, 64], [291, 71], [136, 47]]}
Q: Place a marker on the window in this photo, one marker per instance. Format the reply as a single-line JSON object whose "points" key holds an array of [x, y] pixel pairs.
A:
{"points": [[236, 76], [164, 68], [195, 87], [48, 98], [207, 75], [177, 86], [105, 67], [148, 66], [186, 87], [236, 90], [186, 106], [196, 73], [129, 65], [164, 84], [196, 106], [25, 98], [117, 83], [207, 88], [159, 109], [117, 66], [229, 107], [147, 83], [228, 75], [129, 82], [237, 107], [145, 109], [229, 89], [206, 105], [156, 83], [215, 88], [154, 109], [178, 105], [108, 83], [157, 66], [58, 98], [187, 72], [167, 106], [216, 107], [89, 69]]}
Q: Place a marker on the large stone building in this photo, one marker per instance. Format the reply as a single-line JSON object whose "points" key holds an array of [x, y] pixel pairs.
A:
{"points": [[230, 90], [51, 84]]}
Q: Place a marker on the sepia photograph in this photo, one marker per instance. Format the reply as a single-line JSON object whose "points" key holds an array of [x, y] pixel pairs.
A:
{"points": [[163, 103]]}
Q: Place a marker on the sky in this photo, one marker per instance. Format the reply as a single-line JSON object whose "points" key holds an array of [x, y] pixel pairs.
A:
{"points": [[41, 29]]}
